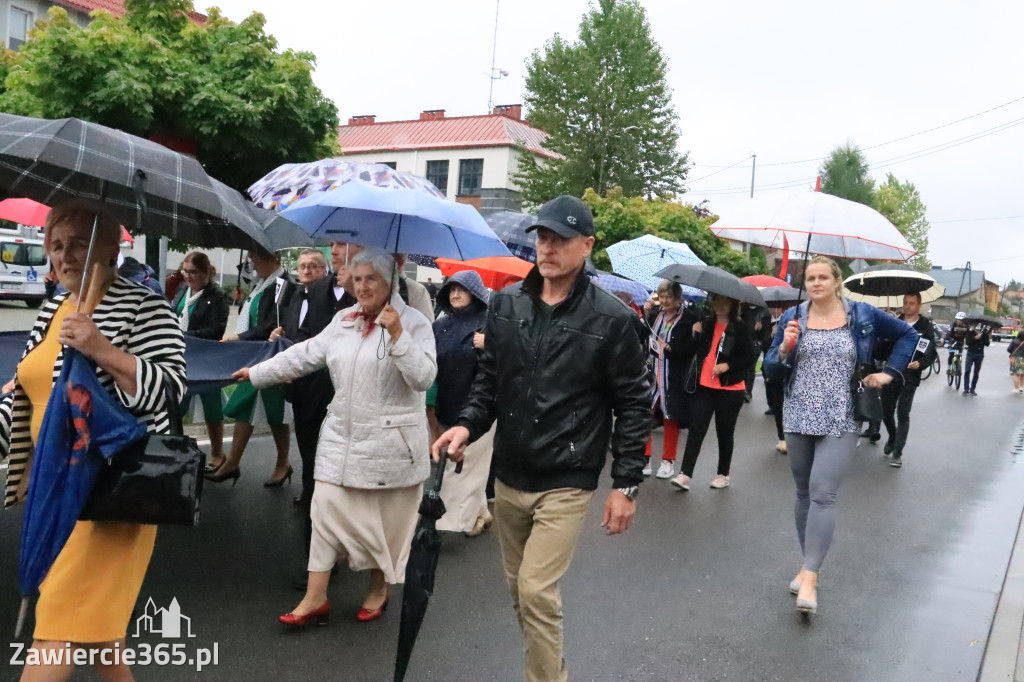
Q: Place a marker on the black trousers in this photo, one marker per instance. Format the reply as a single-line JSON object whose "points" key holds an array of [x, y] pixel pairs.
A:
{"points": [[896, 404], [307, 433], [725, 406], [774, 391]]}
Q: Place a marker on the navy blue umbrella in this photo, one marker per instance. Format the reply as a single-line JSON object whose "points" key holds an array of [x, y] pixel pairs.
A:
{"points": [[83, 424]]}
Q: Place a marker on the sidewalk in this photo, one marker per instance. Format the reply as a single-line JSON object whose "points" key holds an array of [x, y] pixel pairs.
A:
{"points": [[1004, 653]]}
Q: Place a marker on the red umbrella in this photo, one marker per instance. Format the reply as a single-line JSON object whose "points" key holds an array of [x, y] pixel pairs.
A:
{"points": [[497, 272], [24, 211], [33, 214], [766, 281]]}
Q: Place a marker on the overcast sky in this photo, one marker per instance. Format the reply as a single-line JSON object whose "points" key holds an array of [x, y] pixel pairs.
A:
{"points": [[788, 80]]}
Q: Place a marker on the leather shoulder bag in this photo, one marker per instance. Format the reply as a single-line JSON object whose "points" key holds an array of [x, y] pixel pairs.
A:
{"points": [[156, 480]]}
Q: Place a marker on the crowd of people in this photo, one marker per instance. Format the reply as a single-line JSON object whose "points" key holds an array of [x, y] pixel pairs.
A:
{"points": [[382, 374]]}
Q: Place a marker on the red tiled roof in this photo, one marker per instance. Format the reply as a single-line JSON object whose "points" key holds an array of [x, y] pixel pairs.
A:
{"points": [[458, 132], [115, 7]]}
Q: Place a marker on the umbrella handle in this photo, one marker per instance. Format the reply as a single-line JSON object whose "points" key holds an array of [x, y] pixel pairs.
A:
{"points": [[96, 290]]}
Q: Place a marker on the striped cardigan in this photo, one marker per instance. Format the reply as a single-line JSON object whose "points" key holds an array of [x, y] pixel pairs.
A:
{"points": [[137, 321]]}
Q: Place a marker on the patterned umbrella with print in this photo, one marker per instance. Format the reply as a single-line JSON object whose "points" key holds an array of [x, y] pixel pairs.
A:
{"points": [[291, 182], [639, 259]]}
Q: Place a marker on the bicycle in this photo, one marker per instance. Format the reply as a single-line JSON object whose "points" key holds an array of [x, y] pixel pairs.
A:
{"points": [[954, 370], [934, 368]]}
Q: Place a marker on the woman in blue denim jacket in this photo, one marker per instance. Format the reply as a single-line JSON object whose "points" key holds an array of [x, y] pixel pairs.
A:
{"points": [[817, 348]]}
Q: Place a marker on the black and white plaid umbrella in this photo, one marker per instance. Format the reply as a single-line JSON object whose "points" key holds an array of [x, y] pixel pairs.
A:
{"points": [[510, 227], [144, 184]]}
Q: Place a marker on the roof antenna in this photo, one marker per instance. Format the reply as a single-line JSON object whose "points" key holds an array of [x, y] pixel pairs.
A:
{"points": [[494, 52]]}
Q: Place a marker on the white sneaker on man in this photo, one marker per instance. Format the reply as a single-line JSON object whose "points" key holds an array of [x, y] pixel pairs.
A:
{"points": [[667, 469], [720, 481], [647, 468], [682, 482]]}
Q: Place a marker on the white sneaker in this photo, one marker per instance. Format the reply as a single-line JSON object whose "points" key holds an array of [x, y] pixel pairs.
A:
{"points": [[720, 481], [682, 482], [647, 469], [667, 469]]}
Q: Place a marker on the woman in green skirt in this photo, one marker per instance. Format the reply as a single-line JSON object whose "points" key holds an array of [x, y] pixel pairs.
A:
{"points": [[261, 314], [202, 308]]}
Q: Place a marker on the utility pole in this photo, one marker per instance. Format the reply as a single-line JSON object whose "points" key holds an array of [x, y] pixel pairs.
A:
{"points": [[753, 167]]}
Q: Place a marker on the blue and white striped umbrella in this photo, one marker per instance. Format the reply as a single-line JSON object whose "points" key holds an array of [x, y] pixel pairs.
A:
{"points": [[638, 259]]}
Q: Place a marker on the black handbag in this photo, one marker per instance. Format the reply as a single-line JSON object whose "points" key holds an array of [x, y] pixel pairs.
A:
{"points": [[156, 480], [867, 402]]}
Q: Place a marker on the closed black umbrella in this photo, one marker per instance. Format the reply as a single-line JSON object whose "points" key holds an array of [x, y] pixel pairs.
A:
{"points": [[420, 570], [144, 184], [714, 281]]}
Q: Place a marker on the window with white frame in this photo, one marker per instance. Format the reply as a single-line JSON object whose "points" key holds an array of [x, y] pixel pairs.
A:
{"points": [[18, 25]]}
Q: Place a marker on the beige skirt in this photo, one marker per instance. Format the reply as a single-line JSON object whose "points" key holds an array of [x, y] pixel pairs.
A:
{"points": [[368, 528], [465, 495]]}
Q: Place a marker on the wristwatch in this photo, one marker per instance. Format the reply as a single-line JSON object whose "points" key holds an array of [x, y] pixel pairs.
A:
{"points": [[631, 492]]}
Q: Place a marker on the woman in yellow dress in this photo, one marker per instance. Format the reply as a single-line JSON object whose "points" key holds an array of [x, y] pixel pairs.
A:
{"points": [[135, 341]]}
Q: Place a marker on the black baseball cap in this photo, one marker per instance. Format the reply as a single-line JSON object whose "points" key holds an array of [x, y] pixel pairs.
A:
{"points": [[566, 216]]}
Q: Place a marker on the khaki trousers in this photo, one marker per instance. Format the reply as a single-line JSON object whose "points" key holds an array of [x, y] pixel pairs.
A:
{"points": [[538, 533]]}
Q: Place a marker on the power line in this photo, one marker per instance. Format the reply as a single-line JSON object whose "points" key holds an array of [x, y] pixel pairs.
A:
{"points": [[974, 220], [1000, 260], [722, 170], [909, 156], [882, 144]]}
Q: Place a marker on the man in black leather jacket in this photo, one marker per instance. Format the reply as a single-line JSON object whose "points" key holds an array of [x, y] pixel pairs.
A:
{"points": [[562, 356]]}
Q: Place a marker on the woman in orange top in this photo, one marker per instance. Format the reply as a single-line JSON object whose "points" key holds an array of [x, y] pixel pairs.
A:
{"points": [[135, 341], [724, 353]]}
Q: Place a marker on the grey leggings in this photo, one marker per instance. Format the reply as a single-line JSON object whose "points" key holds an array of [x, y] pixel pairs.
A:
{"points": [[819, 464]]}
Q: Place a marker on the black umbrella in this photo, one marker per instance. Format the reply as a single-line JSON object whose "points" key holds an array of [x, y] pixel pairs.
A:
{"points": [[714, 281], [984, 321], [144, 184], [781, 294], [421, 569], [892, 281]]}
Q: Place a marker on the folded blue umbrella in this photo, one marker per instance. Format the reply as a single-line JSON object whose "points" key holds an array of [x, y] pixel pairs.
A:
{"points": [[82, 426], [396, 220]]}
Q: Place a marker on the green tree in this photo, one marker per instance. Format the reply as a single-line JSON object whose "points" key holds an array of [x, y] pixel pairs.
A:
{"points": [[605, 103], [845, 174], [618, 217], [901, 203], [222, 87]]}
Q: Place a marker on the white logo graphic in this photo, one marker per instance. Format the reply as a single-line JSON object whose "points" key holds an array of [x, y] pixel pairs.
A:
{"points": [[571, 219], [164, 622]]}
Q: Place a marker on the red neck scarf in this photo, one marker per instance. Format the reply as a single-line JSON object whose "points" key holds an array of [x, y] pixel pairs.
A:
{"points": [[368, 321]]}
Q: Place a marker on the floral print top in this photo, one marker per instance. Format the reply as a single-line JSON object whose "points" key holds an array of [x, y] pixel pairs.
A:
{"points": [[819, 402]]}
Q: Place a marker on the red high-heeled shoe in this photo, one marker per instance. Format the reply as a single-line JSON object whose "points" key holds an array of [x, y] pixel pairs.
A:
{"points": [[319, 616], [366, 615]]}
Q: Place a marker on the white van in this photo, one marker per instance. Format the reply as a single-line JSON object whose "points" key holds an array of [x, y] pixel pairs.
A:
{"points": [[23, 265]]}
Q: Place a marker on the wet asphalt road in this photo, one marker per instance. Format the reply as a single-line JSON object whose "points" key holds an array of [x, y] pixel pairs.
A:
{"points": [[695, 590]]}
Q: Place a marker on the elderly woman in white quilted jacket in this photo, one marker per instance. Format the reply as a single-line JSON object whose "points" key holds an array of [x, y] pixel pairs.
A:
{"points": [[372, 456]]}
